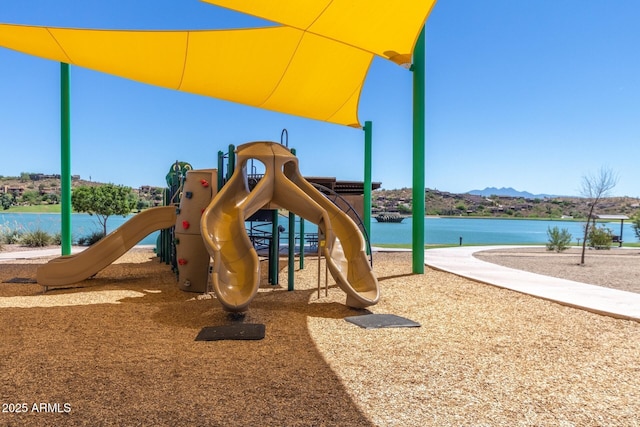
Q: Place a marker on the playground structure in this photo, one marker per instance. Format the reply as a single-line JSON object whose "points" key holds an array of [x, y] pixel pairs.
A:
{"points": [[210, 224], [334, 63], [235, 275]]}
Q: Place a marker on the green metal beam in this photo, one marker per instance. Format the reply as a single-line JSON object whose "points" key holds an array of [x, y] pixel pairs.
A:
{"points": [[65, 160], [292, 245], [368, 137], [301, 243], [274, 255], [292, 251], [418, 154], [220, 169], [231, 161]]}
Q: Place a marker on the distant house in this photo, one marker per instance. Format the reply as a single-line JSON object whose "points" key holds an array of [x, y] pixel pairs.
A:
{"points": [[145, 189], [16, 191], [41, 176]]}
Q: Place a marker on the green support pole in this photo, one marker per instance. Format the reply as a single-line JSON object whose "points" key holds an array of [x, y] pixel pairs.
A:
{"points": [[301, 243], [65, 160], [368, 133], [232, 161], [220, 169], [292, 250], [292, 245], [418, 154], [274, 256]]}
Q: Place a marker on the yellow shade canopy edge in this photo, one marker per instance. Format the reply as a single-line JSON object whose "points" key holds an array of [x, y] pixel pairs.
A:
{"points": [[387, 29], [258, 67]]}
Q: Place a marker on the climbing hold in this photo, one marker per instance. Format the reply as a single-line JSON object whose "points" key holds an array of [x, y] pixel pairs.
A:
{"points": [[177, 241], [185, 224], [177, 211], [188, 194], [204, 183], [182, 261], [202, 210]]}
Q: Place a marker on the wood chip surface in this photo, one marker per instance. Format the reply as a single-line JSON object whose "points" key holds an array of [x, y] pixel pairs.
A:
{"points": [[483, 356]]}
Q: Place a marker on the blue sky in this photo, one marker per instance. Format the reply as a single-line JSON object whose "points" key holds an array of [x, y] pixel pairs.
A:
{"points": [[530, 94]]}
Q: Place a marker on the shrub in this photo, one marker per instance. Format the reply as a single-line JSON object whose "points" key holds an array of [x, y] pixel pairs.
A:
{"points": [[636, 225], [559, 240], [10, 236], [36, 239], [91, 238], [56, 239], [600, 238]]}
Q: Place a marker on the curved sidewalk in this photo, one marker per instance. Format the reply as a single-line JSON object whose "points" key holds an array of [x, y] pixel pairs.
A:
{"points": [[597, 299], [40, 253]]}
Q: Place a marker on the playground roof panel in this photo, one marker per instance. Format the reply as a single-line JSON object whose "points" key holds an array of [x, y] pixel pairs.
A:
{"points": [[385, 28], [314, 66], [612, 217], [278, 68]]}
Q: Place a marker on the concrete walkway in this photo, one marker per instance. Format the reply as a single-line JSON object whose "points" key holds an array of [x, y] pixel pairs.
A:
{"points": [[36, 253], [41, 253], [597, 299]]}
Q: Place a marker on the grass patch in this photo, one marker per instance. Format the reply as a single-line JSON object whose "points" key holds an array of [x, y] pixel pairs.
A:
{"points": [[455, 245], [34, 209], [629, 245]]}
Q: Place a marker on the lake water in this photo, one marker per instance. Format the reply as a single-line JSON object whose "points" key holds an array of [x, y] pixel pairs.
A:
{"points": [[81, 224], [486, 230], [437, 230]]}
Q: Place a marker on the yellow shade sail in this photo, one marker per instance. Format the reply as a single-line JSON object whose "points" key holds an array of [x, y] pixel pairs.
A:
{"points": [[313, 66], [282, 69], [386, 28]]}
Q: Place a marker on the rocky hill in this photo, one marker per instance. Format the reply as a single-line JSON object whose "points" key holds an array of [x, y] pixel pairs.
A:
{"points": [[451, 204], [38, 188], [41, 188]]}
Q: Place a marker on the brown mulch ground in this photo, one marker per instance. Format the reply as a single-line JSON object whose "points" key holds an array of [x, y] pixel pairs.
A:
{"points": [[124, 354]]}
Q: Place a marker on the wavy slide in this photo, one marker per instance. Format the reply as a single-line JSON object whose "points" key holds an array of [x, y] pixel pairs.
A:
{"points": [[76, 268], [235, 274]]}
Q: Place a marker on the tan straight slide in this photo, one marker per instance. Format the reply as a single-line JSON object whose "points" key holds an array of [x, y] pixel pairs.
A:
{"points": [[235, 274], [76, 268]]}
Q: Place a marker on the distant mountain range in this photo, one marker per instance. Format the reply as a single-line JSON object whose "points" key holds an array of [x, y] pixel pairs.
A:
{"points": [[510, 192]]}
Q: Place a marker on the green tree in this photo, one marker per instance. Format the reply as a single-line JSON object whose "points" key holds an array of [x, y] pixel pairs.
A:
{"points": [[52, 198], [6, 200], [404, 209], [559, 240], [142, 204], [103, 201], [636, 225], [30, 197]]}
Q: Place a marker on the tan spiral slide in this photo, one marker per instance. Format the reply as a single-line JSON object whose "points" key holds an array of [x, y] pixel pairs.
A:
{"points": [[235, 274]]}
